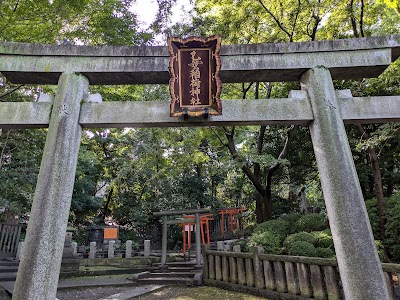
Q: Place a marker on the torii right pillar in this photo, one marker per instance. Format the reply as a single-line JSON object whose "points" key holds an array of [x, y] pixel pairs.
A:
{"points": [[359, 266]]}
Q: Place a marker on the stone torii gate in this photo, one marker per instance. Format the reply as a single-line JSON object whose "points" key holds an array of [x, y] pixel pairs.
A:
{"points": [[317, 105]]}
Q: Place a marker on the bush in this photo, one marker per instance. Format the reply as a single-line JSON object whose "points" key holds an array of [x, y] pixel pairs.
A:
{"points": [[301, 236], [311, 222], [268, 240], [325, 252], [302, 248], [280, 228], [291, 219], [323, 239], [243, 243]]}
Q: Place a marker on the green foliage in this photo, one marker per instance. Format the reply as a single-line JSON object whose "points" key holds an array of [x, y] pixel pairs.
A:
{"points": [[290, 218], [279, 228], [392, 232], [325, 252], [300, 236], [268, 240], [126, 234], [243, 243], [311, 222], [323, 239], [380, 249], [302, 248]]}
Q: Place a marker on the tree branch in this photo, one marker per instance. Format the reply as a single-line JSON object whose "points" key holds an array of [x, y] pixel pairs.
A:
{"points": [[280, 25]]}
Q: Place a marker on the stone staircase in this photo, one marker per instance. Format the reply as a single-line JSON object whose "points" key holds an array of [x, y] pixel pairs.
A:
{"points": [[8, 270], [176, 273]]}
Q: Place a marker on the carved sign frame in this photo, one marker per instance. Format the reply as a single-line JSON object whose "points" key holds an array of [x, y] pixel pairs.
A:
{"points": [[195, 85]]}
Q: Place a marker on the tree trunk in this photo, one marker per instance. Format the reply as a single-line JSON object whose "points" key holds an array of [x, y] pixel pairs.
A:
{"points": [[374, 160]]}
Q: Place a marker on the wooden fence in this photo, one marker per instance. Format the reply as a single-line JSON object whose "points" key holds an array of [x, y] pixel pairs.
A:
{"points": [[9, 239], [281, 276]]}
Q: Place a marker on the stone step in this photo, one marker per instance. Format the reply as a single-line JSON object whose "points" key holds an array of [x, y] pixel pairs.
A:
{"points": [[10, 276], [171, 275], [7, 269], [181, 269], [166, 280], [8, 263]]}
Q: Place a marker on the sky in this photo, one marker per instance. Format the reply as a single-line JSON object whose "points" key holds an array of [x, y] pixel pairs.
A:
{"points": [[147, 9]]}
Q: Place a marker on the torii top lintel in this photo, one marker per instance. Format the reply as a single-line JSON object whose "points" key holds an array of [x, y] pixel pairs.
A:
{"points": [[346, 59]]}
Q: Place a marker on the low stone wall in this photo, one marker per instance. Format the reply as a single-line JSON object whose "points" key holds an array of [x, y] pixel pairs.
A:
{"points": [[119, 262], [281, 276]]}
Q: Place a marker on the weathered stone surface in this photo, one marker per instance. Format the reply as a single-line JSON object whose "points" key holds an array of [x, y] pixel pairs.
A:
{"points": [[25, 114], [30, 63], [258, 267], [269, 275], [233, 270], [249, 272], [360, 269], [294, 110], [147, 248], [292, 279], [280, 277], [111, 248], [39, 269], [317, 283], [92, 250], [235, 112], [304, 280], [331, 283]]}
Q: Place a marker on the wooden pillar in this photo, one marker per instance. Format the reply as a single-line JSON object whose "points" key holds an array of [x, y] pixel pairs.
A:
{"points": [[39, 269]]}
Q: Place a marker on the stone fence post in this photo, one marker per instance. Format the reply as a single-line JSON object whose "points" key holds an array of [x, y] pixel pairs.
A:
{"points": [[20, 249], [258, 267], [111, 246], [128, 249], [74, 246], [92, 250], [147, 248]]}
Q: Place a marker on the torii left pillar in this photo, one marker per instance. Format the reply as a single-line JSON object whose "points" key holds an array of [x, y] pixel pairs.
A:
{"points": [[39, 269]]}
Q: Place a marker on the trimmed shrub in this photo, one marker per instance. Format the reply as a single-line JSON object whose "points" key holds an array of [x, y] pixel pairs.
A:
{"points": [[323, 239], [301, 236], [325, 252], [268, 240], [311, 222], [280, 228], [302, 248], [291, 219]]}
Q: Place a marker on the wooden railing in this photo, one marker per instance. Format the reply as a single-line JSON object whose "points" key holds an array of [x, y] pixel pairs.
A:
{"points": [[281, 276]]}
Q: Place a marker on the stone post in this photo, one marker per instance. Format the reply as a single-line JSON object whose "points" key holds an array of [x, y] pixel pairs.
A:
{"points": [[39, 270], [74, 246], [357, 257], [111, 248], [92, 250], [164, 244], [220, 246], [258, 267], [20, 249], [128, 249], [198, 241], [147, 248]]}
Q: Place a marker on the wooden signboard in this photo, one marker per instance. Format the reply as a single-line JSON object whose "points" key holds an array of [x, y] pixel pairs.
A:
{"points": [[195, 86], [110, 233]]}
